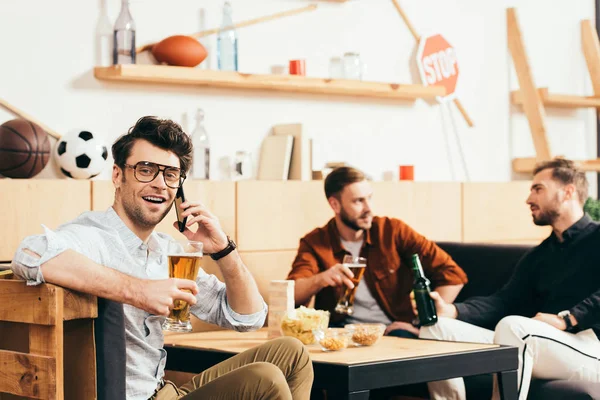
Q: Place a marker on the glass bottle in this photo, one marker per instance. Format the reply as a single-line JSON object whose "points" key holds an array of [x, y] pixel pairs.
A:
{"points": [[201, 159], [124, 36], [227, 51], [421, 289], [205, 41], [242, 165], [104, 38]]}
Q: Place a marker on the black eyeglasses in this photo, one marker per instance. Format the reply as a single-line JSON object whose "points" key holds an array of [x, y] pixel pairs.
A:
{"points": [[145, 171]]}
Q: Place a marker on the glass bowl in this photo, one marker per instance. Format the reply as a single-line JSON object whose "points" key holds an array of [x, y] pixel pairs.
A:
{"points": [[365, 334], [301, 322], [332, 339]]}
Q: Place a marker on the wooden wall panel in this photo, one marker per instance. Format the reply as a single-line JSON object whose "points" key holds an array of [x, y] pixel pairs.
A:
{"points": [[497, 213], [28, 203], [218, 197], [275, 215], [432, 209]]}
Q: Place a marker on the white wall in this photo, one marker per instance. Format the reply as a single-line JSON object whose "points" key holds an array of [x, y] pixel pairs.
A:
{"points": [[48, 56]]}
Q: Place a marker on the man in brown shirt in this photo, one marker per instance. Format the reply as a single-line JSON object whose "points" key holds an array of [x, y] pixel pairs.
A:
{"points": [[386, 243]]}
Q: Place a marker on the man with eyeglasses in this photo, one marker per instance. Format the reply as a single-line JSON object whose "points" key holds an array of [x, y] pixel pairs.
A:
{"points": [[117, 255]]}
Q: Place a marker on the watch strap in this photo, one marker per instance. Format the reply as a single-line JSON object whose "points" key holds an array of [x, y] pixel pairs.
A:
{"points": [[231, 246]]}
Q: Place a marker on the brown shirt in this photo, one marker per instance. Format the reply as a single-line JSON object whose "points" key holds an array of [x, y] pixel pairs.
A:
{"points": [[388, 247]]}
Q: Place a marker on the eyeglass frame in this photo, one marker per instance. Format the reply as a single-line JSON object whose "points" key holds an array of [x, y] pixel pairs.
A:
{"points": [[163, 169]]}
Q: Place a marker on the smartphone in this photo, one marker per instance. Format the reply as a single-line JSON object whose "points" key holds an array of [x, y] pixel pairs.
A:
{"points": [[180, 198]]}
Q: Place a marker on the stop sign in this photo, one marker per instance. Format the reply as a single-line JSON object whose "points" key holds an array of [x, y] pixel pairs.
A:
{"points": [[436, 59]]}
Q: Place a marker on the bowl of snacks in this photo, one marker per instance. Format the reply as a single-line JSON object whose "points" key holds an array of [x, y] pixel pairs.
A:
{"points": [[365, 334], [332, 339], [301, 322]]}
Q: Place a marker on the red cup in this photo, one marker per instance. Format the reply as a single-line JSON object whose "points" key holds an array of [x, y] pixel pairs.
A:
{"points": [[297, 67], [406, 172]]}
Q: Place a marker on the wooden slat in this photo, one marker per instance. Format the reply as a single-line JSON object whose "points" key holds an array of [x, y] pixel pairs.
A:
{"points": [[48, 341], [559, 100], [28, 375], [526, 165], [422, 205], [281, 83], [591, 51], [79, 305], [28, 203], [532, 105], [27, 304], [497, 213], [80, 359], [218, 197], [275, 215]]}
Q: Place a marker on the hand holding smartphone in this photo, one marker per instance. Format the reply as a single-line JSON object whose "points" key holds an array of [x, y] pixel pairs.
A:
{"points": [[180, 198]]}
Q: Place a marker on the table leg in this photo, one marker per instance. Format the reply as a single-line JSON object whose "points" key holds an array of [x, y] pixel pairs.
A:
{"points": [[507, 383]]}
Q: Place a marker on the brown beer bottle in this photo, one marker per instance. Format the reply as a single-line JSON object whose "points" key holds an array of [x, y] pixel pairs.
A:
{"points": [[425, 305]]}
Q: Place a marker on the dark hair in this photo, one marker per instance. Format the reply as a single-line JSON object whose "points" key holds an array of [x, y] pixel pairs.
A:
{"points": [[566, 172], [162, 133], [341, 177]]}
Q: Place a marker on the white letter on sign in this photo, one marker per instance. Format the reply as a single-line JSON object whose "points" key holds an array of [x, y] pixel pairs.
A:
{"points": [[428, 69], [451, 61]]}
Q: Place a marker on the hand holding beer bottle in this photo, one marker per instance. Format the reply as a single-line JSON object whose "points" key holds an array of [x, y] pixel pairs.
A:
{"points": [[427, 305]]}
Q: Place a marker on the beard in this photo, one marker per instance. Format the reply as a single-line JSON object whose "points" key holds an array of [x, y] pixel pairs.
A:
{"points": [[352, 223], [549, 215], [138, 215]]}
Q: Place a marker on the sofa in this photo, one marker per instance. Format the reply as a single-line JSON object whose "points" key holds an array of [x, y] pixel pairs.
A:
{"points": [[488, 267]]}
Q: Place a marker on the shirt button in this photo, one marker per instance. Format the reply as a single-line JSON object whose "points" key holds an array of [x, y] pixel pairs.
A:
{"points": [[143, 247], [391, 271]]}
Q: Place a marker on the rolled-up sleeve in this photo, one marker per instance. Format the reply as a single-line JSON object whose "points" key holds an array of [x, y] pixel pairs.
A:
{"points": [[26, 265], [212, 306]]}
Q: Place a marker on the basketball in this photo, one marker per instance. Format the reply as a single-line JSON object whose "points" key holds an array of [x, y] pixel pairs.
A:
{"points": [[24, 149]]}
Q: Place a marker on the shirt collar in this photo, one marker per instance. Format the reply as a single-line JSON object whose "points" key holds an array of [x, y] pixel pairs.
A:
{"points": [[577, 228], [130, 239], [334, 235]]}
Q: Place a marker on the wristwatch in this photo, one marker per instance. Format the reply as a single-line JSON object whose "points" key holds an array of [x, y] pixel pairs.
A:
{"points": [[566, 315], [231, 246]]}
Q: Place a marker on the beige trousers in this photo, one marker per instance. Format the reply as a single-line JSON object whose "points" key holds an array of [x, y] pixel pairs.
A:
{"points": [[278, 369]]}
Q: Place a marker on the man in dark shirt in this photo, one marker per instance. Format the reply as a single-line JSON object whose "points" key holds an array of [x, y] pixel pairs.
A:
{"points": [[550, 308]]}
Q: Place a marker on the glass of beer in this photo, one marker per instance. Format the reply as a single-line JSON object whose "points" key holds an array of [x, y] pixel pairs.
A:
{"points": [[185, 259], [357, 265]]}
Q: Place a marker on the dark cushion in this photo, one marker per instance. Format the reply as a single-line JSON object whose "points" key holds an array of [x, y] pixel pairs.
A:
{"points": [[109, 331], [488, 266], [560, 389]]}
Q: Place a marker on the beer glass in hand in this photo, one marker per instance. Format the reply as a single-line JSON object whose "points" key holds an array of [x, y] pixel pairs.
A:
{"points": [[357, 265], [185, 259]]}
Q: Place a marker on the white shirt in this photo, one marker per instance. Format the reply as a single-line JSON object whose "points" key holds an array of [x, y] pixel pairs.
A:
{"points": [[104, 238]]}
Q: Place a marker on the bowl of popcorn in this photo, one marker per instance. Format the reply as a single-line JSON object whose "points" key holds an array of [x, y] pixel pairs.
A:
{"points": [[332, 339], [365, 334], [301, 322]]}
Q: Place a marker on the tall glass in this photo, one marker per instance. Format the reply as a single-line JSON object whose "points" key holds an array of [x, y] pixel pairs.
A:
{"points": [[185, 260], [357, 265]]}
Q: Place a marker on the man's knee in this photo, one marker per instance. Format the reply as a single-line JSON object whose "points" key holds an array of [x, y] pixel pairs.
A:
{"points": [[294, 348], [267, 376], [438, 331], [511, 330]]}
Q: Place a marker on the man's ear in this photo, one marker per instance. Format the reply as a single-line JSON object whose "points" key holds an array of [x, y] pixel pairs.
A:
{"points": [[116, 176], [570, 191], [335, 204]]}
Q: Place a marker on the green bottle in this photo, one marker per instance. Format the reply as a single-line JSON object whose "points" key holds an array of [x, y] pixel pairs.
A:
{"points": [[425, 304]]}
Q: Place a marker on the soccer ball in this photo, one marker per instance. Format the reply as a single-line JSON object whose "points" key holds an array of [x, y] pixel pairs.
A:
{"points": [[80, 154]]}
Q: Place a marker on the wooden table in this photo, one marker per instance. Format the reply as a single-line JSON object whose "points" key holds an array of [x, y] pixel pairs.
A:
{"points": [[353, 372]]}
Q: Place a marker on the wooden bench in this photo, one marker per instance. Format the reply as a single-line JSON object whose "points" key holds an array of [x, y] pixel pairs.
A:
{"points": [[46, 342]]}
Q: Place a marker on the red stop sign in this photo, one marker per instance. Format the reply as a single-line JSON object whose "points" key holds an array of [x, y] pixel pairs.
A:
{"points": [[436, 59]]}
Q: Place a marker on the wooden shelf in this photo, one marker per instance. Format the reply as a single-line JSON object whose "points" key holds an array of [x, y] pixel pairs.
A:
{"points": [[526, 165], [559, 100], [162, 74]]}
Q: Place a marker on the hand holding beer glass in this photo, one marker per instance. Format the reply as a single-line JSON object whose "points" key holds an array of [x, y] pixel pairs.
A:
{"points": [[185, 260], [357, 265]]}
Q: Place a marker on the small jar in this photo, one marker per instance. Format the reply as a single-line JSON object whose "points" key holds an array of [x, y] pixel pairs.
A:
{"points": [[242, 165], [352, 66], [336, 70]]}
